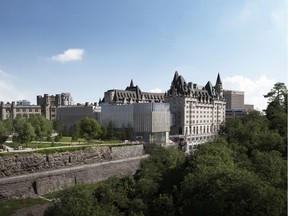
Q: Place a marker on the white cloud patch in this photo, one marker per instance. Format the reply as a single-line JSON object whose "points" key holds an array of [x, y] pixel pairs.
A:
{"points": [[278, 17], [69, 55], [156, 90], [254, 90], [8, 91], [246, 13]]}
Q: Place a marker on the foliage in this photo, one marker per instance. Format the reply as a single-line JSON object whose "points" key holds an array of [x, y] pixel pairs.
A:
{"points": [[8, 207], [58, 126], [276, 111], [73, 201], [6, 127], [252, 132], [64, 149], [42, 126], [87, 128], [24, 129], [110, 131], [75, 131]]}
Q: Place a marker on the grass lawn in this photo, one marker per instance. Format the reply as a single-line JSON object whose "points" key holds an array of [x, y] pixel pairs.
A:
{"points": [[7, 207]]}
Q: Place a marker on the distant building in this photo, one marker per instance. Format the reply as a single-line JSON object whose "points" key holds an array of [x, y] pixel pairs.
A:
{"points": [[49, 103], [248, 107], [235, 113], [11, 110], [66, 99], [69, 115], [23, 103], [196, 111], [234, 99], [132, 94], [235, 107]]}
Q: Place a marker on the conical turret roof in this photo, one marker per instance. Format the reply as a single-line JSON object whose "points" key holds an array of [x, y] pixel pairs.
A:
{"points": [[131, 83], [218, 81]]}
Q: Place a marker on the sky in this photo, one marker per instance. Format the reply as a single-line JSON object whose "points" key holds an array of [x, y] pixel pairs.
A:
{"points": [[88, 47]]}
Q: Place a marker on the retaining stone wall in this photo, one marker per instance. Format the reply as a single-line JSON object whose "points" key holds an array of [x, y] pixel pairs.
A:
{"points": [[31, 185], [19, 164], [33, 174]]}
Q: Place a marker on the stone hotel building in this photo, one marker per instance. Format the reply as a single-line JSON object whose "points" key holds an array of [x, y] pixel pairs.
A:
{"points": [[196, 111]]}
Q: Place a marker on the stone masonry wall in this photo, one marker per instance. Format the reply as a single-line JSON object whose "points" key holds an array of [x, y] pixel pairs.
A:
{"points": [[38, 184], [19, 164], [33, 174]]}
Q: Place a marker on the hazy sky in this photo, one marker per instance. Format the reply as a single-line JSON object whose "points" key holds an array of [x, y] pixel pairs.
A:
{"points": [[87, 47]]}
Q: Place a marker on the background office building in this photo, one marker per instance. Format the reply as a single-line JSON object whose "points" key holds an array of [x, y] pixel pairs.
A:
{"points": [[235, 107], [234, 99], [69, 115]]}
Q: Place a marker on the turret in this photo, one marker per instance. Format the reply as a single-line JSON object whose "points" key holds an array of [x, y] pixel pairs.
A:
{"points": [[131, 84], [219, 87]]}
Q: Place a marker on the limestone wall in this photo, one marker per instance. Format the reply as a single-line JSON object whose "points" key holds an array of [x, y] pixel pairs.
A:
{"points": [[33, 174], [41, 183], [19, 164]]}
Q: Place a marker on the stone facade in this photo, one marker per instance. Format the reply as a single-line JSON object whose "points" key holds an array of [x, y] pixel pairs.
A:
{"points": [[132, 94], [12, 110], [196, 111], [49, 103]]}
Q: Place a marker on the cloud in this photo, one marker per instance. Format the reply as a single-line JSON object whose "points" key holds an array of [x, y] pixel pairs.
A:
{"points": [[69, 55], [8, 91], [156, 90], [246, 13], [254, 89], [278, 17]]}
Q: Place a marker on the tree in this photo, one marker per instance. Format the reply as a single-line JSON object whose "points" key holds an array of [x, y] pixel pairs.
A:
{"points": [[110, 131], [104, 132], [278, 94], [114, 195], [6, 128], [75, 201], [276, 110], [163, 205], [271, 167], [42, 126], [2, 132], [58, 126], [75, 132], [89, 128], [231, 192], [24, 129], [8, 124]]}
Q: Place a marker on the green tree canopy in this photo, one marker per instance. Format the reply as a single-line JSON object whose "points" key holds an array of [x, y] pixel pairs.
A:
{"points": [[276, 110], [89, 128], [24, 129], [42, 126]]}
